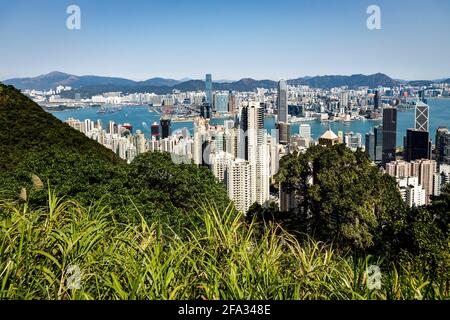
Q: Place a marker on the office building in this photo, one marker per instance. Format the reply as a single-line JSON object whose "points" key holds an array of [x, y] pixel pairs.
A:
{"points": [[417, 145], [243, 133], [343, 102], [442, 149], [232, 102], [284, 133], [282, 101], [378, 132], [205, 110], [209, 89], [154, 130], [422, 96], [422, 116], [377, 101], [165, 128], [221, 102], [370, 145], [389, 134]]}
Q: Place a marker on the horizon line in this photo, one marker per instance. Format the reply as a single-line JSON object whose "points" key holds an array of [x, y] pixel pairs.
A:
{"points": [[184, 79]]}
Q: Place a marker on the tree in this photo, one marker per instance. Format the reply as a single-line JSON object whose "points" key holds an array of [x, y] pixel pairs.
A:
{"points": [[342, 197]]}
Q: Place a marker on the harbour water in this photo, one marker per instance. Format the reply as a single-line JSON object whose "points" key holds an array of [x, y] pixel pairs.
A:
{"points": [[141, 119]]}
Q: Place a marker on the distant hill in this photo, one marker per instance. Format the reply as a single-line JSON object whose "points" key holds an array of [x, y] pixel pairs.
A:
{"points": [[92, 85], [421, 83], [248, 84], [353, 81], [159, 82], [28, 128], [56, 78]]}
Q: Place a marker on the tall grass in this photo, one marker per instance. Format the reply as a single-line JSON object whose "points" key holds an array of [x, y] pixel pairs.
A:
{"points": [[223, 258]]}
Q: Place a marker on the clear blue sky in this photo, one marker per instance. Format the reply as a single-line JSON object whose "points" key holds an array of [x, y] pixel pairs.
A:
{"points": [[230, 39]]}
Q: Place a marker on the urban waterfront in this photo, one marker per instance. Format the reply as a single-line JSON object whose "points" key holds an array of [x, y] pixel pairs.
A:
{"points": [[141, 119]]}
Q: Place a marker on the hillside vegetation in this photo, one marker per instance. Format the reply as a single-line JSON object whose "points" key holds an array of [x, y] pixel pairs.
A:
{"points": [[67, 251], [27, 129], [35, 146]]}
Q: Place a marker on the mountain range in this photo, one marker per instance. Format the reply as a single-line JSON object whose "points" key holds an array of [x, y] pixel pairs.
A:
{"points": [[92, 85], [56, 78]]}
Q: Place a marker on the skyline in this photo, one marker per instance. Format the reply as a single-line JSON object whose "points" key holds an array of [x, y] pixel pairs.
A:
{"points": [[260, 40], [214, 80]]}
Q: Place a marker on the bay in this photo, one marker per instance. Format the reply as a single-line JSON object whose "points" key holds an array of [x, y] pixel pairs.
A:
{"points": [[141, 119]]}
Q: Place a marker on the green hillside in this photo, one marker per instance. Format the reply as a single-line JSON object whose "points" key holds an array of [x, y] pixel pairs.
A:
{"points": [[37, 148], [27, 128]]}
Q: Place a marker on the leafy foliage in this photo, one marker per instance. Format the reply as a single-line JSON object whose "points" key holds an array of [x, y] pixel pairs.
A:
{"points": [[222, 258], [342, 197]]}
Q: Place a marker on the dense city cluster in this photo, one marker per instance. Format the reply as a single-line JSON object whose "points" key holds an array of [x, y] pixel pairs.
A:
{"points": [[245, 155]]}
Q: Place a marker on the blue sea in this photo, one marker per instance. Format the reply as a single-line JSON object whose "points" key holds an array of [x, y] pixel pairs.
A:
{"points": [[141, 119]]}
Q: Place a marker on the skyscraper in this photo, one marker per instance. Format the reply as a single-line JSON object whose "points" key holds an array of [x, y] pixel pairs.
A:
{"points": [[232, 102], [343, 102], [284, 133], [417, 145], [377, 101], [165, 128], [378, 132], [243, 133], [282, 102], [370, 145], [208, 89], [422, 116], [154, 129], [258, 153], [443, 145], [389, 134], [139, 141]]}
